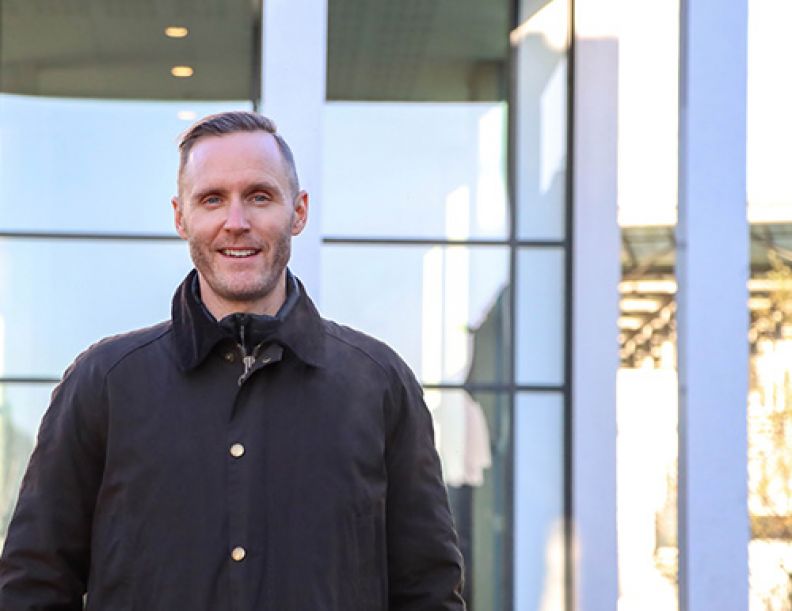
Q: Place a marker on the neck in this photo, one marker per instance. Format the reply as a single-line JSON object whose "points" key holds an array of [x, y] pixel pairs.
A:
{"points": [[221, 307]]}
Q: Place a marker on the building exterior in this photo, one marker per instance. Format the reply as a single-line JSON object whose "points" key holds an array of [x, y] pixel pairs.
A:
{"points": [[540, 204]]}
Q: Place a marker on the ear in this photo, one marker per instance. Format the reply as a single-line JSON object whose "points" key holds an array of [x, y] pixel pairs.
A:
{"points": [[300, 217], [178, 217]]}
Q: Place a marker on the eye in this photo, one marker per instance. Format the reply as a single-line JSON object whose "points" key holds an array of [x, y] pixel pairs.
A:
{"points": [[260, 198], [211, 200]]}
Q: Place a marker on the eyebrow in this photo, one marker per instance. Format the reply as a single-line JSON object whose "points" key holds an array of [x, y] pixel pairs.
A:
{"points": [[264, 186], [257, 186]]}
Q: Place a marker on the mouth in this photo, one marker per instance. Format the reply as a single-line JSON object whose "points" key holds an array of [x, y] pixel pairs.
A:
{"points": [[239, 253]]}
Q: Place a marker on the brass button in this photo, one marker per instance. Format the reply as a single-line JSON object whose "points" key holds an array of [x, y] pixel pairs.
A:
{"points": [[237, 450], [238, 554], [229, 356]]}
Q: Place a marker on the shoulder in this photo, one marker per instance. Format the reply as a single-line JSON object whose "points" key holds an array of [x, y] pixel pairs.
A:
{"points": [[354, 346], [100, 358], [79, 402]]}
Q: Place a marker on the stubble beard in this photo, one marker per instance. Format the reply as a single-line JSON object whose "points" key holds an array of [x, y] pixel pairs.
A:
{"points": [[227, 288]]}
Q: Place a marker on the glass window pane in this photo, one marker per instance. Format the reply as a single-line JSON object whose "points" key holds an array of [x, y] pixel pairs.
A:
{"points": [[473, 434], [540, 316], [540, 152], [539, 501], [415, 170], [443, 309], [91, 165], [123, 50], [21, 409], [444, 50], [58, 297]]}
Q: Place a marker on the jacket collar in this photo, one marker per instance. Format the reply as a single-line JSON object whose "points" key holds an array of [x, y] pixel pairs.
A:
{"points": [[297, 326]]}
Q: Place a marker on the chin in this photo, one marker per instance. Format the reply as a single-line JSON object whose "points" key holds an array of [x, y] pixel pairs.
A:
{"points": [[239, 292]]}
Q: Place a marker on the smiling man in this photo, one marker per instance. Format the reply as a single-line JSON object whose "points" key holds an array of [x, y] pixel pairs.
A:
{"points": [[244, 455]]}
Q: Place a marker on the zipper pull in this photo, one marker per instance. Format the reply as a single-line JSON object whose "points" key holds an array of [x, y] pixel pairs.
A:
{"points": [[248, 361]]}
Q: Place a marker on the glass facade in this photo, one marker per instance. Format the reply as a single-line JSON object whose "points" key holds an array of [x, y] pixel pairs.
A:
{"points": [[445, 210], [440, 238], [90, 106]]}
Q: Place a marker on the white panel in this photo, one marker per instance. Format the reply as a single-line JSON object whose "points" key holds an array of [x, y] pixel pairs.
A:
{"points": [[712, 271], [293, 93], [596, 268]]}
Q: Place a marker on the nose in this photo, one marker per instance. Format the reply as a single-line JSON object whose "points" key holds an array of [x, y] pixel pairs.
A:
{"points": [[236, 219]]}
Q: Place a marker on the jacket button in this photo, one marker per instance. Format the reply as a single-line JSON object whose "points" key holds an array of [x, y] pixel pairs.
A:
{"points": [[229, 356], [237, 450], [238, 554]]}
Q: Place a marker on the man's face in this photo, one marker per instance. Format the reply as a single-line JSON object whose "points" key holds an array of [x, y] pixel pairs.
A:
{"points": [[238, 213]]}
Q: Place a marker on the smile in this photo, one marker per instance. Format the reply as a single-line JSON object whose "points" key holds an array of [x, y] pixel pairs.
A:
{"points": [[239, 252]]}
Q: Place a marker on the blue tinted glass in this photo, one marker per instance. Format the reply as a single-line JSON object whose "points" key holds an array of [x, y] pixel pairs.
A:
{"points": [[540, 144], [473, 433], [90, 165], [539, 325], [21, 409], [415, 170], [539, 501], [58, 297], [444, 309]]}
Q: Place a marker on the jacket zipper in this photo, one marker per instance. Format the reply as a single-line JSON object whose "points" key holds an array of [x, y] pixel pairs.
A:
{"points": [[248, 360]]}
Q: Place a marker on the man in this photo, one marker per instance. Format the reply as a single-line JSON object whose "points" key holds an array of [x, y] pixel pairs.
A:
{"points": [[247, 454]]}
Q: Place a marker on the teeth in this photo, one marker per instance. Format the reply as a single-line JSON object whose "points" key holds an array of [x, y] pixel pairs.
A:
{"points": [[238, 253]]}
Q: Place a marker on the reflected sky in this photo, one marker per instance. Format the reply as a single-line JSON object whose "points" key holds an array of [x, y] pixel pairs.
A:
{"points": [[425, 302], [389, 168], [58, 297], [91, 165]]}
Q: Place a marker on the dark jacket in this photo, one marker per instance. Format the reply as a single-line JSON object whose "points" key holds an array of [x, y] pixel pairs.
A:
{"points": [[162, 479]]}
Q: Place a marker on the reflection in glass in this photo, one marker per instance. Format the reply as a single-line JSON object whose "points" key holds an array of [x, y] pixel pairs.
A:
{"points": [[472, 431], [66, 294], [541, 42], [415, 170], [436, 306], [439, 51], [89, 165], [538, 502], [21, 409], [109, 50], [540, 316]]}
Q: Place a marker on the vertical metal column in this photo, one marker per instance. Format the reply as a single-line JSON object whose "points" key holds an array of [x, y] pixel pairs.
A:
{"points": [[294, 58], [595, 304], [712, 273]]}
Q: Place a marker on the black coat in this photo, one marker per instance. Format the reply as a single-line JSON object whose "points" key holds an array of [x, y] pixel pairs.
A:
{"points": [[163, 480]]}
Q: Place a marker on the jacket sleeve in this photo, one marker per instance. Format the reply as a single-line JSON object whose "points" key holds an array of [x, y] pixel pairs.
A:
{"points": [[46, 557], [424, 562]]}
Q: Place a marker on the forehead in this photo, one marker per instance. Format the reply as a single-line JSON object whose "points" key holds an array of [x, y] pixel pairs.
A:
{"points": [[251, 154]]}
